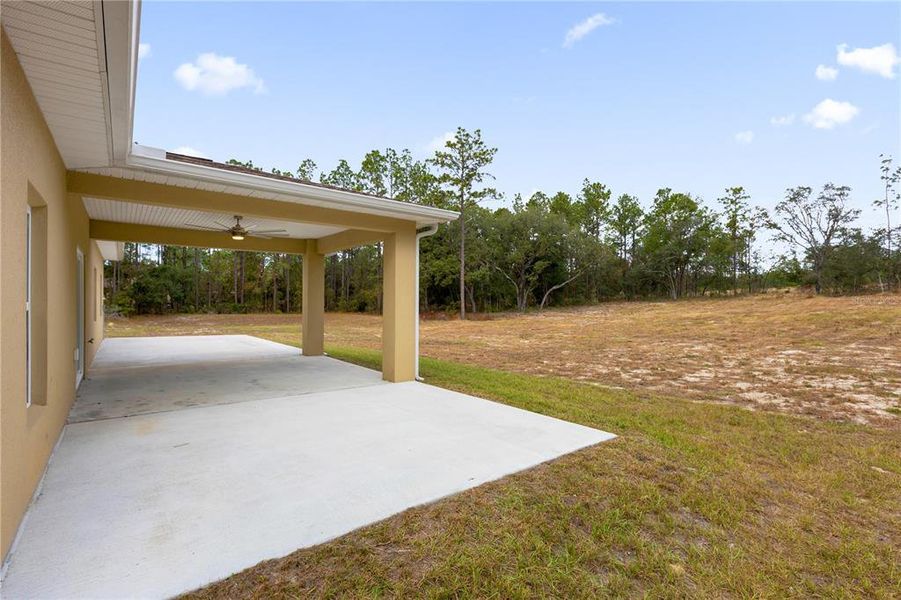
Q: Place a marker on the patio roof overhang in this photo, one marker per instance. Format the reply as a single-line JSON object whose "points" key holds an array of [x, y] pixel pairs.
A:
{"points": [[152, 198]]}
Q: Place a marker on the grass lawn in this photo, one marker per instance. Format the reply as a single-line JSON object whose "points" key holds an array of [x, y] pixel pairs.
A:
{"points": [[692, 500]]}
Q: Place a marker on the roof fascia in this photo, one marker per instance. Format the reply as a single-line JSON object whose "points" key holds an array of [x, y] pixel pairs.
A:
{"points": [[121, 36]]}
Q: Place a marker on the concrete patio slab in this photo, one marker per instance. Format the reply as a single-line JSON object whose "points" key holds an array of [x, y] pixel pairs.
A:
{"points": [[135, 352], [157, 504], [133, 376]]}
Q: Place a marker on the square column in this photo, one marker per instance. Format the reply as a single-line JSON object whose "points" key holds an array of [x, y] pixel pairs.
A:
{"points": [[399, 312], [313, 304]]}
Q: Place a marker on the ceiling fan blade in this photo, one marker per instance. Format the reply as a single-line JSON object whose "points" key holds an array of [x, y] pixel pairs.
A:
{"points": [[266, 235], [195, 226], [223, 225], [257, 235], [270, 231]]}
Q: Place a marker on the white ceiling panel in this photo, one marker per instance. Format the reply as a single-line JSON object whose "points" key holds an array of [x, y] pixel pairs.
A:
{"points": [[164, 216]]}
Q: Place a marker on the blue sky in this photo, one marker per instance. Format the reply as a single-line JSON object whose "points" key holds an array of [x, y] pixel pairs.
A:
{"points": [[679, 95]]}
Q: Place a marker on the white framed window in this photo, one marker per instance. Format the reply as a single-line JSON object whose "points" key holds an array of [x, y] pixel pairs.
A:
{"points": [[79, 316], [28, 278]]}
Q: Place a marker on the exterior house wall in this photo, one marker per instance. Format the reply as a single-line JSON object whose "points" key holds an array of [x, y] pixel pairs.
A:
{"points": [[33, 173]]}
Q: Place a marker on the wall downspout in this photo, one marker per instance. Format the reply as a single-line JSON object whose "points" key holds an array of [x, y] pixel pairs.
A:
{"points": [[430, 230]]}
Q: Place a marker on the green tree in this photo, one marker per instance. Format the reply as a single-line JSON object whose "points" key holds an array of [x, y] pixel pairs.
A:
{"points": [[463, 168], [525, 243], [421, 186], [854, 262], [625, 223], [307, 170], [594, 207], [677, 230], [562, 204], [540, 201], [247, 164], [342, 176], [736, 215], [411, 180], [374, 176]]}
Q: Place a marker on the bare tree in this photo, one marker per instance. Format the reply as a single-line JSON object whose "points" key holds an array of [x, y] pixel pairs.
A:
{"points": [[556, 287], [812, 224], [890, 177]]}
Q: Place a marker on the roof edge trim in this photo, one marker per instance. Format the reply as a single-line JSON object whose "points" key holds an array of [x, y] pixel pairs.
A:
{"points": [[155, 159]]}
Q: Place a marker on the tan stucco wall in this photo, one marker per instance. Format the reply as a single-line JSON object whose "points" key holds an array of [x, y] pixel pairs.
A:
{"points": [[31, 167]]}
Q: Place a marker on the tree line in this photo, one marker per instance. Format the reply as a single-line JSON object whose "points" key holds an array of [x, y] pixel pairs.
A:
{"points": [[547, 249]]}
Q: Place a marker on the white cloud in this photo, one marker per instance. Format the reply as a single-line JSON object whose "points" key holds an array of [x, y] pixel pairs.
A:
{"points": [[580, 30], [143, 50], [189, 151], [825, 73], [782, 121], [216, 75], [439, 142], [829, 113], [880, 60], [744, 137]]}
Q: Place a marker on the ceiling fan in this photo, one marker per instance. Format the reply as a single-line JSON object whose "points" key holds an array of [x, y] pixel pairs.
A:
{"points": [[239, 232]]}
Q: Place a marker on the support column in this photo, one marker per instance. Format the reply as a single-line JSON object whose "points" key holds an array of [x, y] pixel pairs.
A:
{"points": [[399, 312], [313, 303]]}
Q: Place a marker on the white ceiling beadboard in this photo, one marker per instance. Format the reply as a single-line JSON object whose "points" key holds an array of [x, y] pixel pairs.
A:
{"points": [[140, 174], [164, 216], [60, 47]]}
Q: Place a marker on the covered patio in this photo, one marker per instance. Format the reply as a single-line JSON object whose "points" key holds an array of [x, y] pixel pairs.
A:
{"points": [[187, 459], [165, 198]]}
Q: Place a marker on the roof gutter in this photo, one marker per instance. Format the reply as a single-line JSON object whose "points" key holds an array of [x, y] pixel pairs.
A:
{"points": [[431, 230], [120, 40]]}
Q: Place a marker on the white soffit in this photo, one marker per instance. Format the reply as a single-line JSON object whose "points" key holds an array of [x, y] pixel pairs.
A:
{"points": [[60, 47], [164, 216]]}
